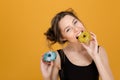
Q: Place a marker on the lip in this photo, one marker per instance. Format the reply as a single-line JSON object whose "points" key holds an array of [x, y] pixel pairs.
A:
{"points": [[79, 34]]}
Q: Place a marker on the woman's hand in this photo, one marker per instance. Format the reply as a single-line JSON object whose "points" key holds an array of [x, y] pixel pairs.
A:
{"points": [[92, 46], [100, 59], [46, 68]]}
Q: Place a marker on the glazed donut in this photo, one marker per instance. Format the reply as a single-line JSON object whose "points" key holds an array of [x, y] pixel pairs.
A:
{"points": [[84, 37], [49, 56]]}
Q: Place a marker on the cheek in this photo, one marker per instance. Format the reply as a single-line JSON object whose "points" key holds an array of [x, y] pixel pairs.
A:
{"points": [[70, 35]]}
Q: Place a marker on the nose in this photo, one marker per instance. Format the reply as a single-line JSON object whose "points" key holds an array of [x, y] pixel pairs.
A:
{"points": [[76, 29]]}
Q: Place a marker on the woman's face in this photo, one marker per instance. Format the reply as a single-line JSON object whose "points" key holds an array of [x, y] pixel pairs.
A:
{"points": [[70, 28]]}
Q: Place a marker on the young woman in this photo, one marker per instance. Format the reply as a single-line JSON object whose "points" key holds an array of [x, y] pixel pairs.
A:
{"points": [[76, 61]]}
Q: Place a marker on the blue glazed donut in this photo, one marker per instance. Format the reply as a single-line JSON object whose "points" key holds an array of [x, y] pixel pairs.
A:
{"points": [[49, 56]]}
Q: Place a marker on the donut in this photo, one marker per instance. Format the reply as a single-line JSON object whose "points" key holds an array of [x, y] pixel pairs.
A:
{"points": [[84, 37], [49, 56]]}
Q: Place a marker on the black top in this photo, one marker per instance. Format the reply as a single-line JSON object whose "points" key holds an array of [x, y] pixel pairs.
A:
{"points": [[70, 71]]}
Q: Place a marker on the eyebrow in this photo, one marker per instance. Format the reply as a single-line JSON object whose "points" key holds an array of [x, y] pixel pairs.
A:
{"points": [[73, 20]]}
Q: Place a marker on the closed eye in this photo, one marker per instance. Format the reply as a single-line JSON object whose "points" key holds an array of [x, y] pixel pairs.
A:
{"points": [[67, 30], [75, 22]]}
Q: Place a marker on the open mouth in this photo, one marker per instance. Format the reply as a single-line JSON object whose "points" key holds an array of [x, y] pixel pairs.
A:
{"points": [[77, 37], [79, 34]]}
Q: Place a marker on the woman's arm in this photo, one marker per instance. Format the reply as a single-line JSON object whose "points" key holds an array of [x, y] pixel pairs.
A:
{"points": [[102, 64], [99, 57]]}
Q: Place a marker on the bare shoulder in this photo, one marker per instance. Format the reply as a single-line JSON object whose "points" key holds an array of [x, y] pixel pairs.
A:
{"points": [[102, 51], [57, 61], [103, 54]]}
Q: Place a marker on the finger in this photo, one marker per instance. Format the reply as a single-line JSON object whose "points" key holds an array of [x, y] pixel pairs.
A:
{"points": [[44, 63], [92, 34], [93, 37], [51, 65]]}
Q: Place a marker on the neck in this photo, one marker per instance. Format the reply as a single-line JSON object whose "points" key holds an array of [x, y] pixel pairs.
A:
{"points": [[77, 47]]}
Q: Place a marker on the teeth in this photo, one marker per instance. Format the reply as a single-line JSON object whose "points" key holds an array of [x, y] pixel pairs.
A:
{"points": [[78, 35]]}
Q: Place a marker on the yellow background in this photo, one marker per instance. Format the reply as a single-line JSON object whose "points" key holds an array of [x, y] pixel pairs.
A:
{"points": [[23, 22]]}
